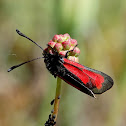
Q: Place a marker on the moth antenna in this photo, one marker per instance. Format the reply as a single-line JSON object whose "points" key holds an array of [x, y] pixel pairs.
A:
{"points": [[70, 50], [13, 67], [23, 35]]}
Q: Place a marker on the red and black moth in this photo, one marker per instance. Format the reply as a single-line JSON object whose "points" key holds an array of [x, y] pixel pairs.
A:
{"points": [[83, 78]]}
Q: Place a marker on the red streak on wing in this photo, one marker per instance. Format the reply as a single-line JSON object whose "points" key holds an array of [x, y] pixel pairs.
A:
{"points": [[90, 78], [79, 73], [97, 78]]}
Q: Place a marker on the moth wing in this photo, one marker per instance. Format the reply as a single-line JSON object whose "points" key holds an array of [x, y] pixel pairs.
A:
{"points": [[102, 81], [95, 80], [74, 81]]}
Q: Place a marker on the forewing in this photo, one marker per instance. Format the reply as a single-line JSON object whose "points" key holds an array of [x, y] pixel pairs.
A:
{"points": [[95, 80]]}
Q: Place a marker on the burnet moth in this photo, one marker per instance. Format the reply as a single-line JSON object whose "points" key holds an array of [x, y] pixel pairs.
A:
{"points": [[83, 78]]}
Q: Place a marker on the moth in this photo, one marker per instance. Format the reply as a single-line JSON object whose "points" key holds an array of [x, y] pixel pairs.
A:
{"points": [[85, 79]]}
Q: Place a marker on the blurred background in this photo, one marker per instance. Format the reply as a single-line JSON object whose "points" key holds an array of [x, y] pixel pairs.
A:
{"points": [[26, 93]]}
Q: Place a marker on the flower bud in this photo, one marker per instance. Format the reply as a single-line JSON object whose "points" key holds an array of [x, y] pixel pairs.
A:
{"points": [[75, 52], [62, 53], [73, 58], [73, 42], [55, 38], [66, 44], [58, 47], [76, 59], [60, 40], [66, 36], [51, 43]]}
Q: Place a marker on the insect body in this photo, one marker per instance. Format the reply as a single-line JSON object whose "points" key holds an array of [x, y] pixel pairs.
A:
{"points": [[85, 79]]}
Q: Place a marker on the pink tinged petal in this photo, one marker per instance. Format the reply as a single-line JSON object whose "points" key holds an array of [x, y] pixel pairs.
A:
{"points": [[66, 36], [75, 59], [73, 42], [48, 50], [51, 43], [71, 58], [60, 40], [55, 38], [62, 53], [66, 44], [75, 52], [71, 48], [58, 47]]}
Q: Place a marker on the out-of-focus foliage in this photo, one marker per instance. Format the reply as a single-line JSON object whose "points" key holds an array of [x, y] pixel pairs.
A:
{"points": [[26, 92]]}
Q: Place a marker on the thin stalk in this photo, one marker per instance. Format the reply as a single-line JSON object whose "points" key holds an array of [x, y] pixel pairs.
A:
{"points": [[57, 98]]}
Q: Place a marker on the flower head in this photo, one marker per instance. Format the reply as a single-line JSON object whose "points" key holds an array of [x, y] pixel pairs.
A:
{"points": [[63, 44]]}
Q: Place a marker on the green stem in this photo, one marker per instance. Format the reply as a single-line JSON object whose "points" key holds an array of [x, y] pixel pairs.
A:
{"points": [[57, 98]]}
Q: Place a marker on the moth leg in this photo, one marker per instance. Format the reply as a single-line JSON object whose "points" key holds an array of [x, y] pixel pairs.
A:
{"points": [[70, 51]]}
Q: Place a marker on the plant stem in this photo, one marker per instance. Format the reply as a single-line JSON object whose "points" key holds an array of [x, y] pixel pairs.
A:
{"points": [[57, 98]]}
